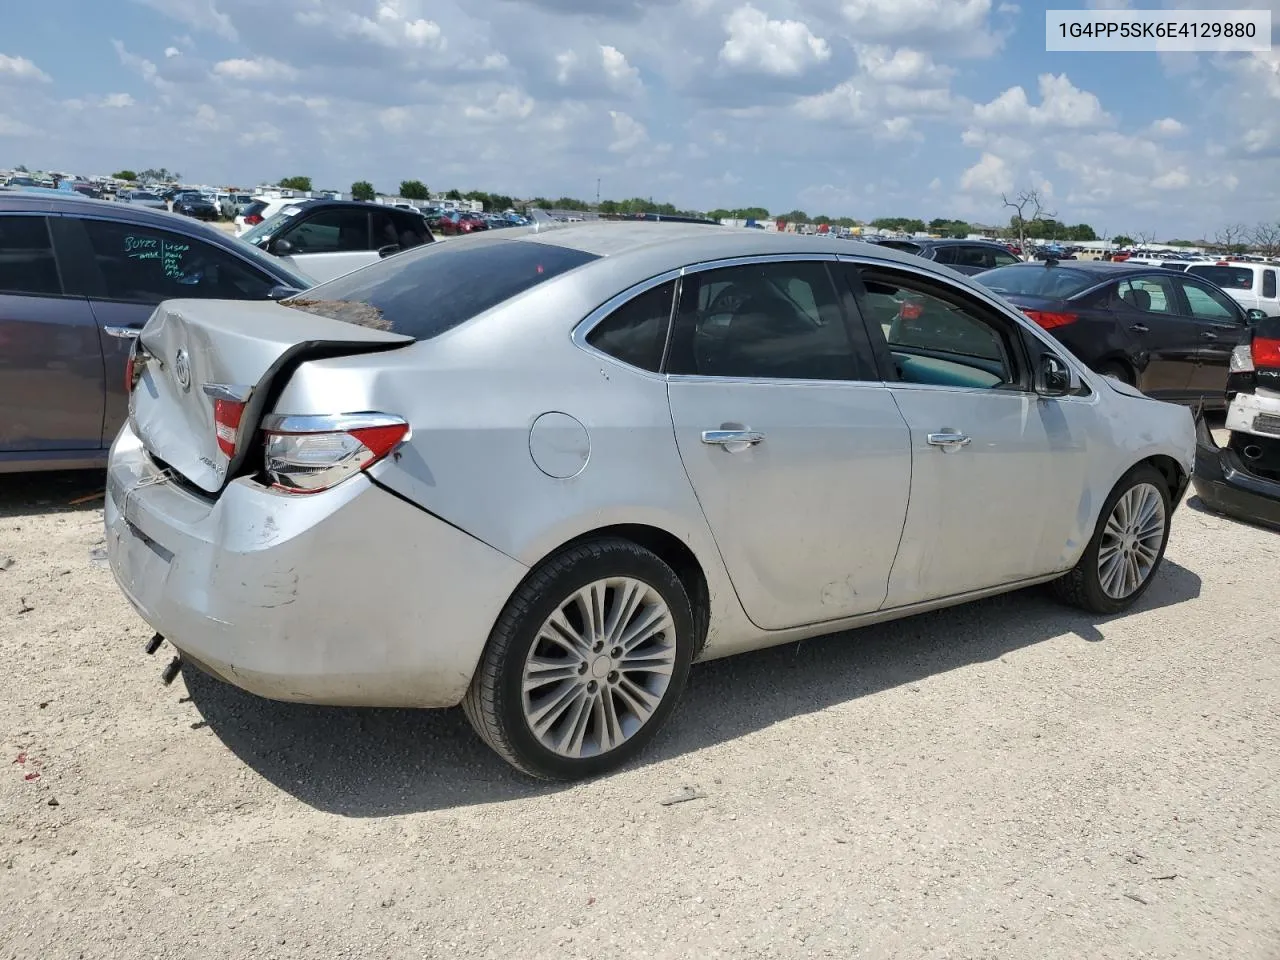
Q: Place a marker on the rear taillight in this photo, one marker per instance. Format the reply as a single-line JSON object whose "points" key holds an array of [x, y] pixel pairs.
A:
{"points": [[227, 415], [308, 454], [252, 220], [1048, 320], [1265, 352]]}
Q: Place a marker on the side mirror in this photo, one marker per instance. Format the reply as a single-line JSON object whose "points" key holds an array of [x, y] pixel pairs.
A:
{"points": [[1255, 315], [389, 249], [1055, 378], [282, 248], [282, 292]]}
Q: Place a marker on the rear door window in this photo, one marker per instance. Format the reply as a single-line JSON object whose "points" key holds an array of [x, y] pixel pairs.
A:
{"points": [[1209, 304], [1269, 284], [944, 254], [140, 264], [438, 286], [27, 265], [336, 230], [1149, 294], [973, 256]]}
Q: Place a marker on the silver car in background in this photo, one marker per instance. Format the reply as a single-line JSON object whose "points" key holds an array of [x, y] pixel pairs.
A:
{"points": [[541, 472]]}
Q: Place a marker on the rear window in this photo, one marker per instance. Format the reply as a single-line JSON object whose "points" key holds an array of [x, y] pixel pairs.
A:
{"points": [[903, 245], [1228, 278], [1034, 280], [434, 288]]}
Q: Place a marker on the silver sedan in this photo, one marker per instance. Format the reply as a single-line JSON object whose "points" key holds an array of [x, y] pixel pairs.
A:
{"points": [[540, 472]]}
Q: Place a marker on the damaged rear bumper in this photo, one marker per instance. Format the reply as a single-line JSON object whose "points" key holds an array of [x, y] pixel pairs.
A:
{"points": [[1225, 485]]}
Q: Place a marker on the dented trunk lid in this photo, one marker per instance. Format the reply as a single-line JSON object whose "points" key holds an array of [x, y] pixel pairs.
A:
{"points": [[193, 351]]}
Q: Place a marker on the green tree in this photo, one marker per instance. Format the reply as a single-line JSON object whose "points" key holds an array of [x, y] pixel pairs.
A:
{"points": [[1122, 240], [950, 228], [414, 190], [1081, 233], [21, 168], [296, 183], [795, 216], [453, 195], [125, 175], [901, 224], [822, 218], [363, 190]]}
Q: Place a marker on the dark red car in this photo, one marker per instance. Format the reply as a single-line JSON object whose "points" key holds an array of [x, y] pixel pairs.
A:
{"points": [[457, 224]]}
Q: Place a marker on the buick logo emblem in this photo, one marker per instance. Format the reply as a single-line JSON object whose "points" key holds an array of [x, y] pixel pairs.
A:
{"points": [[182, 369]]}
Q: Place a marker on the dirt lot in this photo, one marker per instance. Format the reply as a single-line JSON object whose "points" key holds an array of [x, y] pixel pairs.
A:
{"points": [[1010, 779]]}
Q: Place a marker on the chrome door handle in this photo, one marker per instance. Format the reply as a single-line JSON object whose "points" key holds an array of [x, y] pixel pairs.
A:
{"points": [[1140, 328], [1206, 335], [726, 438], [949, 441], [122, 333]]}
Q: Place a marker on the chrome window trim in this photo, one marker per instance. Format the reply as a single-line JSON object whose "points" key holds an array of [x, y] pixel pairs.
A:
{"points": [[578, 336], [1047, 342]]}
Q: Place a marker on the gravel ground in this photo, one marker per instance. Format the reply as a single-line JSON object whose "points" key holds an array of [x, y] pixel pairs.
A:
{"points": [[1009, 779]]}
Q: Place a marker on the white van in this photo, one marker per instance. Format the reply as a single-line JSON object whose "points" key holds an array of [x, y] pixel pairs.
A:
{"points": [[1253, 285]]}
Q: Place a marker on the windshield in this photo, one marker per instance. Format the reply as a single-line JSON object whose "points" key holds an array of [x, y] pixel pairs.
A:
{"points": [[269, 226], [138, 195], [1033, 280], [1228, 278], [436, 287]]}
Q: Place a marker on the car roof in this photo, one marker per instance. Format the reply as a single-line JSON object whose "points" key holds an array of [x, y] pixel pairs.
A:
{"points": [[1103, 268], [673, 244]]}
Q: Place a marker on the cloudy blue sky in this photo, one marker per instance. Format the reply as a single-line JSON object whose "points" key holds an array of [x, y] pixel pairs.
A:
{"points": [[846, 107]]}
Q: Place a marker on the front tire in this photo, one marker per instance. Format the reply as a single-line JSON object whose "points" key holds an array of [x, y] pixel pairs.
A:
{"points": [[1126, 549], [585, 663]]}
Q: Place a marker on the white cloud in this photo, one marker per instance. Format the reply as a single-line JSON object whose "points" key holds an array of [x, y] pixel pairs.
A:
{"points": [[619, 74], [506, 105], [783, 48], [962, 26], [394, 25], [1062, 106], [628, 132], [990, 175], [21, 68], [117, 100], [256, 70], [171, 52], [140, 65], [200, 14], [901, 66], [1172, 180], [1168, 127]]}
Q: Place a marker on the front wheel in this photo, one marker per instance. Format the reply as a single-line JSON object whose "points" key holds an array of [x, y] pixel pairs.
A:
{"points": [[1126, 549], [585, 663]]}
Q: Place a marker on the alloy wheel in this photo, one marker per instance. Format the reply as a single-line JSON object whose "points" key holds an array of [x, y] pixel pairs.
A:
{"points": [[599, 667], [1131, 541]]}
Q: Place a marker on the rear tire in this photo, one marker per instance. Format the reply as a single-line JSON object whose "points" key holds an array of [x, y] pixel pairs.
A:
{"points": [[585, 663], [1127, 547]]}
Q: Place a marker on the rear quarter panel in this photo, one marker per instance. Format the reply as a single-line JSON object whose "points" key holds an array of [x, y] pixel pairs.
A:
{"points": [[472, 396]]}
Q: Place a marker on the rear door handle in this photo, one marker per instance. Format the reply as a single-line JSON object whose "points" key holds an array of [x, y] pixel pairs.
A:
{"points": [[1140, 328], [1206, 335], [949, 441], [122, 333], [732, 438]]}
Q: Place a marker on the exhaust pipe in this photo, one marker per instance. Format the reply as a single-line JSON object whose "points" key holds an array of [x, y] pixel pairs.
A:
{"points": [[1252, 452]]}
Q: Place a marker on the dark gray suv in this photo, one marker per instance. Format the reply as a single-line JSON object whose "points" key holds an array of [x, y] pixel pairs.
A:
{"points": [[966, 256], [78, 279]]}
